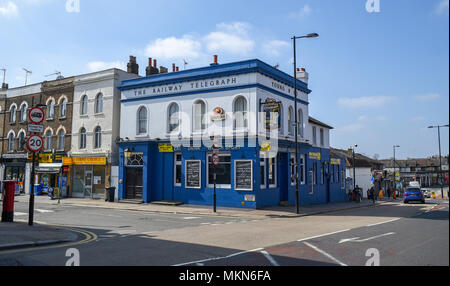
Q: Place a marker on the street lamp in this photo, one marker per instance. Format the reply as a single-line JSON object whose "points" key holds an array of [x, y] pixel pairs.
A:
{"points": [[294, 38], [440, 157], [395, 176], [354, 167]]}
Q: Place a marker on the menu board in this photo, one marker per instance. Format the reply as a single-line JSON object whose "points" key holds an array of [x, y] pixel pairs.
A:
{"points": [[193, 174], [243, 175]]}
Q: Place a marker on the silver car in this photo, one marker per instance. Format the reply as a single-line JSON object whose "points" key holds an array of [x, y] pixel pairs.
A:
{"points": [[426, 194]]}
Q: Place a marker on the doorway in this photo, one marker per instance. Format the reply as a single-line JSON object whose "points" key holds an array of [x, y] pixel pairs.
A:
{"points": [[134, 184]]}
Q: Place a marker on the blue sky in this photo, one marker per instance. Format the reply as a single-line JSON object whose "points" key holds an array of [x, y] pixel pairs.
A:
{"points": [[379, 78]]}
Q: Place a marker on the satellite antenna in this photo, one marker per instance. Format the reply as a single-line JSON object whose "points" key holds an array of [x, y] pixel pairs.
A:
{"points": [[26, 75], [185, 63], [55, 73]]}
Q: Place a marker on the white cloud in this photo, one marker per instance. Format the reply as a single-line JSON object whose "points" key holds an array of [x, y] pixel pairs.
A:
{"points": [[303, 13], [174, 48], [273, 48], [365, 101], [427, 96], [230, 37], [442, 7], [98, 65], [9, 10]]}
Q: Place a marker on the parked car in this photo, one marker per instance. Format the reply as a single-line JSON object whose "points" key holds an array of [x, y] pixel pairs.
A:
{"points": [[413, 194], [426, 194], [414, 184]]}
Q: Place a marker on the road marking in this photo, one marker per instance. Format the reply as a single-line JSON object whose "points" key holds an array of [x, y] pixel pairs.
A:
{"points": [[364, 240], [270, 258], [219, 258], [20, 214], [190, 217], [378, 223], [322, 235], [44, 211], [324, 253]]}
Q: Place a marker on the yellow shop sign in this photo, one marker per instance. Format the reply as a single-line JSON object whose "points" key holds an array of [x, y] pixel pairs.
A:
{"points": [[165, 148], [89, 160], [334, 161], [315, 156]]}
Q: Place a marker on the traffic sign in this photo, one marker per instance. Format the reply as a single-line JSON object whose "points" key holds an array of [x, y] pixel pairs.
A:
{"points": [[215, 160], [35, 143], [35, 128], [36, 115]]}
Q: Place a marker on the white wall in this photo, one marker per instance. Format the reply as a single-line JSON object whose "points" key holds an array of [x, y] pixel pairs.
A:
{"points": [[363, 176]]}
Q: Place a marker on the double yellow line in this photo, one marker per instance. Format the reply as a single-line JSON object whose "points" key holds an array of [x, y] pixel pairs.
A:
{"points": [[88, 238]]}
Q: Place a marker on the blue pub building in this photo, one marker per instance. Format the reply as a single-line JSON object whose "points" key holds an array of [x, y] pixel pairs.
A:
{"points": [[226, 125]]}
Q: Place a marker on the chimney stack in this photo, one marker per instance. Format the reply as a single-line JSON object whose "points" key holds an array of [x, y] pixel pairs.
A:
{"points": [[303, 75], [132, 66], [163, 69], [150, 70], [154, 64], [215, 63], [173, 68]]}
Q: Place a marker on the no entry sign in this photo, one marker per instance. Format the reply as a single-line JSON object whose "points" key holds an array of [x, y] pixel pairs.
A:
{"points": [[36, 115], [35, 143]]}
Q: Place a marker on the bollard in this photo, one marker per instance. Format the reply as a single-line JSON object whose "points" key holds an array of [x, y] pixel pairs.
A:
{"points": [[8, 201]]}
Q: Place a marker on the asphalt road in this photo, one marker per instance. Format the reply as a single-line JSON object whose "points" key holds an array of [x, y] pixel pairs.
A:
{"points": [[410, 235]]}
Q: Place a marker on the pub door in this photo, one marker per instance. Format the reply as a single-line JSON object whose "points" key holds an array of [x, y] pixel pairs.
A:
{"points": [[134, 184]]}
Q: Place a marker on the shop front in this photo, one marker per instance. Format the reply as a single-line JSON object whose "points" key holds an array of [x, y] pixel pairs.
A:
{"points": [[89, 177], [16, 169]]}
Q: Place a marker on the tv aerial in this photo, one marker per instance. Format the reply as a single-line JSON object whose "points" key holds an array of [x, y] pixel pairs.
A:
{"points": [[57, 73], [27, 72]]}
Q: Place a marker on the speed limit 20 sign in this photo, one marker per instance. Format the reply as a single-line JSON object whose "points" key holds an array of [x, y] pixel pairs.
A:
{"points": [[35, 143]]}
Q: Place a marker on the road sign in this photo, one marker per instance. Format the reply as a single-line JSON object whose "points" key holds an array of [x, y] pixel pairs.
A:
{"points": [[35, 143], [215, 160], [36, 115], [35, 128]]}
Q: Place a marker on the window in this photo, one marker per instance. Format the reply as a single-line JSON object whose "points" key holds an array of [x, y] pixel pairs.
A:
{"points": [[301, 130], [322, 140], [272, 165], [322, 173], [63, 108], [22, 141], [134, 159], [61, 139], [314, 134], [11, 142], [51, 109], [302, 169], [223, 171], [83, 138], [240, 113], [177, 176], [98, 137], [262, 172], [142, 121], [48, 140], [294, 169], [23, 113], [315, 174], [199, 116], [84, 105], [12, 115], [174, 117], [290, 121], [99, 103]]}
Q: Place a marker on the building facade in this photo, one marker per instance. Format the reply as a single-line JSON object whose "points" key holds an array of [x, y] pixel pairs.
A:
{"points": [[95, 128], [173, 123]]}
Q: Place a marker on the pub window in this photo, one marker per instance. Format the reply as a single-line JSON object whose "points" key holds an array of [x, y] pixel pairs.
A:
{"points": [[82, 138], [12, 115], [174, 117], [223, 171], [272, 165], [322, 174], [199, 116], [302, 169], [134, 159], [322, 139], [301, 130], [99, 103], [262, 176], [240, 113], [294, 169], [177, 176], [314, 135], [142, 121], [61, 140], [338, 174], [98, 137], [290, 121], [315, 173]]}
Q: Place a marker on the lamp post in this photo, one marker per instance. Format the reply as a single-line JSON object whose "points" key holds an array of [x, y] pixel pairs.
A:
{"points": [[294, 38], [354, 167], [395, 176], [440, 157]]}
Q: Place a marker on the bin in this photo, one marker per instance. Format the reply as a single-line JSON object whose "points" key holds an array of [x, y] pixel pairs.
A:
{"points": [[110, 194]]}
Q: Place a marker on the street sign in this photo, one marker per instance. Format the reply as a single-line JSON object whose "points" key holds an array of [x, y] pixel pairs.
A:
{"points": [[216, 160], [35, 128], [36, 115], [35, 143]]}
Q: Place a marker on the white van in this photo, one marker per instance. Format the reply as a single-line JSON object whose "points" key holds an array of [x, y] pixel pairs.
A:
{"points": [[414, 184]]}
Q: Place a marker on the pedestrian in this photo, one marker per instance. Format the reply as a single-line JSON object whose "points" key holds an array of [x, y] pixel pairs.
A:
{"points": [[389, 192], [372, 193]]}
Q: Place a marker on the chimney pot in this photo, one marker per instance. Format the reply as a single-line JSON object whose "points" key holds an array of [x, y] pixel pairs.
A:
{"points": [[154, 63], [149, 62], [216, 59], [178, 69], [173, 68]]}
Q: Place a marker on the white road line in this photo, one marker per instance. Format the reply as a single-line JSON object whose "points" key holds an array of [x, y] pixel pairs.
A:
{"points": [[190, 217], [378, 223], [326, 254], [44, 211], [20, 214], [218, 258], [322, 235], [270, 258]]}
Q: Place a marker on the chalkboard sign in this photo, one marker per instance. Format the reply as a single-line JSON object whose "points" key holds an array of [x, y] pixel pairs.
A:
{"points": [[243, 175], [193, 174]]}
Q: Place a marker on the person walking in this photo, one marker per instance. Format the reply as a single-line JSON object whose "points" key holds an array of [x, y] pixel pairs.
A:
{"points": [[372, 193], [389, 192]]}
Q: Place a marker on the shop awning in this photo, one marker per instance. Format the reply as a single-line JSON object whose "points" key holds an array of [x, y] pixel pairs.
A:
{"points": [[54, 168]]}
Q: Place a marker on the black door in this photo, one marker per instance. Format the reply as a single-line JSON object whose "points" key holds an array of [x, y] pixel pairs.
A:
{"points": [[134, 183]]}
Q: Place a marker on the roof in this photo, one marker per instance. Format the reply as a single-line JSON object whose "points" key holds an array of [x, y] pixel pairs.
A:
{"points": [[361, 160], [317, 122]]}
